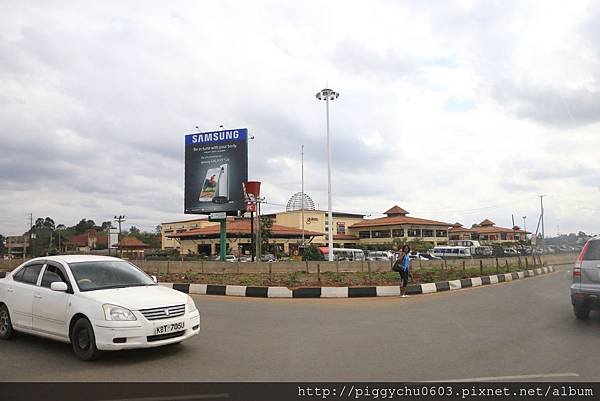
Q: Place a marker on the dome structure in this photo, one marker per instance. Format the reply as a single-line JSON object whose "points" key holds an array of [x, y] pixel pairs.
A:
{"points": [[295, 202]]}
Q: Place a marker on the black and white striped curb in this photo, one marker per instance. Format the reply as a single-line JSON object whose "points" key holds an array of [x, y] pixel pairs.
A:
{"points": [[352, 292]]}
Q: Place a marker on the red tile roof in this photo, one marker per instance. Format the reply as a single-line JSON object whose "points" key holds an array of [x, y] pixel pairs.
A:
{"points": [[487, 222], [131, 242], [486, 230], [396, 210], [398, 220], [81, 240], [242, 227]]}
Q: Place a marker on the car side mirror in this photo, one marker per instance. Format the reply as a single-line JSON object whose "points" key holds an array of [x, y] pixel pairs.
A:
{"points": [[59, 286], [154, 279]]}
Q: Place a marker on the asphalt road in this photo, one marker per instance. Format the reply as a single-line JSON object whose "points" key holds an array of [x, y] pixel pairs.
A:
{"points": [[521, 330]]}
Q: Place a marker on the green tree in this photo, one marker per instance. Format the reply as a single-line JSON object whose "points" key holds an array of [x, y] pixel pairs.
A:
{"points": [[83, 226], [419, 245], [49, 223], [266, 227], [2, 245], [133, 230], [106, 225], [311, 252]]}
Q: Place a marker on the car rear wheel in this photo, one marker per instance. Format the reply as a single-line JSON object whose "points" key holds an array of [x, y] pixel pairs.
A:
{"points": [[581, 312], [6, 329], [83, 340]]}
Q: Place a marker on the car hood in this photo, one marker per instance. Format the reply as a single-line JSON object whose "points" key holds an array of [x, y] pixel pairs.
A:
{"points": [[136, 298]]}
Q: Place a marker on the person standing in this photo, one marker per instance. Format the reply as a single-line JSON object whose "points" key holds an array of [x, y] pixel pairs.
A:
{"points": [[404, 269]]}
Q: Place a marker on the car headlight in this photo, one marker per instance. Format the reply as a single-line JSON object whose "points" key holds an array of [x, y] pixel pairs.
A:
{"points": [[117, 313], [191, 306]]}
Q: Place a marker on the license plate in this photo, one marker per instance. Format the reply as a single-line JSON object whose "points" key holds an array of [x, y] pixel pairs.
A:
{"points": [[169, 328]]}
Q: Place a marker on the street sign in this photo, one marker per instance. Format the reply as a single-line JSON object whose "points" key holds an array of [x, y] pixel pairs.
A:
{"points": [[217, 216]]}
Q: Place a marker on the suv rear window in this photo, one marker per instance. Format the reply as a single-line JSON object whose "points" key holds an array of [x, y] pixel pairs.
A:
{"points": [[593, 252]]}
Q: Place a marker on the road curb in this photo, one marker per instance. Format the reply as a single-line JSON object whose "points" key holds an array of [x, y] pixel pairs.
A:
{"points": [[354, 292]]}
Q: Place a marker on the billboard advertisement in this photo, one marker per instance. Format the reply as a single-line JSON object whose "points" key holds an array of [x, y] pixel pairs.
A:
{"points": [[216, 165]]}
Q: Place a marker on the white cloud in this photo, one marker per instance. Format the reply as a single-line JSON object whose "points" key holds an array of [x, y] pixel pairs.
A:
{"points": [[457, 111]]}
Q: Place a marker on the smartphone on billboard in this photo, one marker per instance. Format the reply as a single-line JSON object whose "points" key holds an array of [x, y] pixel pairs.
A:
{"points": [[210, 185], [222, 194]]}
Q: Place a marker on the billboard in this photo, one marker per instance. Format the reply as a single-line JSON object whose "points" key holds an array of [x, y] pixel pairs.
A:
{"points": [[216, 165]]}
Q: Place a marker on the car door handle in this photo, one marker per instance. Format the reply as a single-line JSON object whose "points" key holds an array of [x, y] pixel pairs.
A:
{"points": [[37, 296]]}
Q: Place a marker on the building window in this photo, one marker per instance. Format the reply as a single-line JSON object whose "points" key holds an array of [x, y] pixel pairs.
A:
{"points": [[441, 233], [364, 234], [484, 237], [398, 232], [427, 233], [381, 234], [503, 236], [493, 238], [453, 237], [414, 232], [341, 227]]}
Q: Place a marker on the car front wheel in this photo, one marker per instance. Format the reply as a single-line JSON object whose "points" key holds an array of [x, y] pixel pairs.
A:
{"points": [[6, 329], [581, 312], [83, 340]]}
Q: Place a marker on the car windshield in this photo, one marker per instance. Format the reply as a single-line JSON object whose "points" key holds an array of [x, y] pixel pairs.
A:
{"points": [[100, 275]]}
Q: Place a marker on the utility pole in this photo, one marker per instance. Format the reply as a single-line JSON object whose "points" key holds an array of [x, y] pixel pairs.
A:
{"points": [[542, 219], [30, 237], [119, 219]]}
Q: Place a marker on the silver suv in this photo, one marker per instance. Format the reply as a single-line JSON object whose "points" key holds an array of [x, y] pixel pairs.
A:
{"points": [[585, 290]]}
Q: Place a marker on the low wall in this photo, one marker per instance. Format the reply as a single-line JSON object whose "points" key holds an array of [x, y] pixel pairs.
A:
{"points": [[154, 267]]}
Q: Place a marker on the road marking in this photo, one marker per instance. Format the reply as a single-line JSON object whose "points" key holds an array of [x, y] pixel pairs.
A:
{"points": [[500, 378], [173, 398]]}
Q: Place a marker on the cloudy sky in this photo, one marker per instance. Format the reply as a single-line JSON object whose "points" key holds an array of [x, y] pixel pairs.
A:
{"points": [[456, 111]]}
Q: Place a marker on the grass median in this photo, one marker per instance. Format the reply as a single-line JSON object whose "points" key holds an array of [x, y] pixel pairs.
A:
{"points": [[329, 279]]}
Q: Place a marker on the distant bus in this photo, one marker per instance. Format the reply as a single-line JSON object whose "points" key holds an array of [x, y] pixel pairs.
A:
{"points": [[447, 252], [344, 253], [476, 248]]}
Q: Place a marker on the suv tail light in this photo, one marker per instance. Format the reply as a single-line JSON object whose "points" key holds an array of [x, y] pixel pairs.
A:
{"points": [[580, 258]]}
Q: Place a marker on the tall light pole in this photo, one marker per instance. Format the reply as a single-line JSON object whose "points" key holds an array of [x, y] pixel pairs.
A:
{"points": [[525, 226], [302, 213], [327, 95]]}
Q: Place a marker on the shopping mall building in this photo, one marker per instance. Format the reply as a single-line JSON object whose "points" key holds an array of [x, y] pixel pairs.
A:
{"points": [[301, 221]]}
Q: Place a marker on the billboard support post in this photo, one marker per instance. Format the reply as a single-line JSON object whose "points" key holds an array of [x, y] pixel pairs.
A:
{"points": [[223, 240]]}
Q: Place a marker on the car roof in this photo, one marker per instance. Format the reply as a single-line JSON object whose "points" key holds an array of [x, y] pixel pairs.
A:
{"points": [[75, 258]]}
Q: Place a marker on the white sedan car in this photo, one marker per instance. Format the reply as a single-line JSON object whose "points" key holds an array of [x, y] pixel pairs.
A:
{"points": [[95, 303]]}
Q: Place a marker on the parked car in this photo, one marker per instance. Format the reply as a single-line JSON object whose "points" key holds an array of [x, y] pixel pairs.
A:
{"points": [[585, 289], [510, 252], [430, 256], [96, 303], [268, 257]]}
